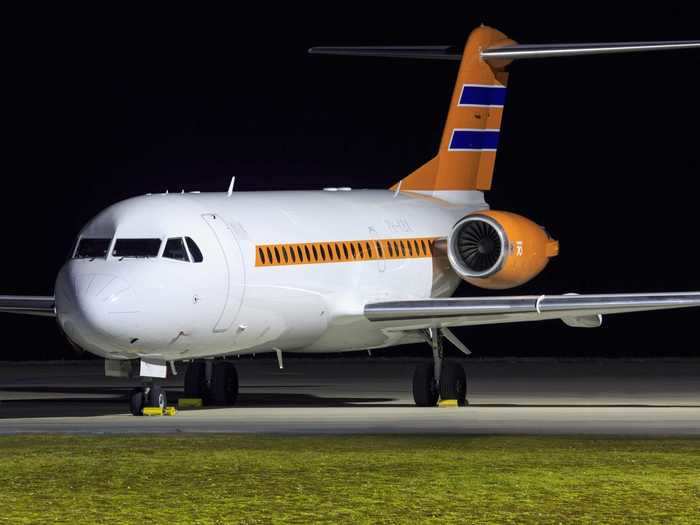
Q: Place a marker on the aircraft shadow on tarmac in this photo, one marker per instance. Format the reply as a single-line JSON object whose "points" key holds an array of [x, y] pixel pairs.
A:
{"points": [[578, 405], [113, 401]]}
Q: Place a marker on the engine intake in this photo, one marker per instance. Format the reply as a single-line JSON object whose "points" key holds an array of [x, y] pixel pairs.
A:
{"points": [[498, 250]]}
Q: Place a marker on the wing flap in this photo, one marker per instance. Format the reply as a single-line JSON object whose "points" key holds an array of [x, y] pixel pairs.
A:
{"points": [[28, 305]]}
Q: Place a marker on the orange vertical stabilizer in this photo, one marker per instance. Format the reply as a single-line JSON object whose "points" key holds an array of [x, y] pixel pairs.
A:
{"points": [[467, 154]]}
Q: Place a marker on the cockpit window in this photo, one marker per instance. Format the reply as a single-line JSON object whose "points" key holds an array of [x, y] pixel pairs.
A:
{"points": [[92, 249], [195, 252], [175, 249], [136, 248]]}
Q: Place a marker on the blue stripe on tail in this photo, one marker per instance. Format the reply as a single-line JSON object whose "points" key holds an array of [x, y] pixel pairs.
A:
{"points": [[474, 140], [493, 96]]}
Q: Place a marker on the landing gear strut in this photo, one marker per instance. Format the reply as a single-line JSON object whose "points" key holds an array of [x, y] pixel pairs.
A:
{"points": [[150, 395], [215, 382], [446, 381]]}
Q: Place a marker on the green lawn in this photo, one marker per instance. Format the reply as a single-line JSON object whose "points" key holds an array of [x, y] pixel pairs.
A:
{"points": [[348, 479]]}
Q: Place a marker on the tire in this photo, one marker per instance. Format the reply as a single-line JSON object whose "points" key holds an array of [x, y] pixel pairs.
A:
{"points": [[425, 391], [453, 383], [224, 384], [157, 397], [136, 399], [195, 380]]}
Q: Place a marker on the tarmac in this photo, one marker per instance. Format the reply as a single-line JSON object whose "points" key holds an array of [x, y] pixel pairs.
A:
{"points": [[621, 397]]}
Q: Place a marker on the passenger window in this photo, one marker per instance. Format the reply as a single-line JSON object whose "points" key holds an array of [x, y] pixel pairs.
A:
{"points": [[195, 252], [136, 248], [175, 249], [92, 248]]}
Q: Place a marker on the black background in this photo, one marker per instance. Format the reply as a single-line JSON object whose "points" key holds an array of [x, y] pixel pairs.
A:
{"points": [[603, 151]]}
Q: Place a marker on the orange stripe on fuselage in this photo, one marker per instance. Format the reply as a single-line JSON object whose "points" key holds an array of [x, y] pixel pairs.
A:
{"points": [[286, 254]]}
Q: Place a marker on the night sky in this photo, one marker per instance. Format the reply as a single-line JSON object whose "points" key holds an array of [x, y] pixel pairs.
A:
{"points": [[603, 151]]}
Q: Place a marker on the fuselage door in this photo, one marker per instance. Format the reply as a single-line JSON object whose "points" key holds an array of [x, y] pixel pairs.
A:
{"points": [[232, 272]]}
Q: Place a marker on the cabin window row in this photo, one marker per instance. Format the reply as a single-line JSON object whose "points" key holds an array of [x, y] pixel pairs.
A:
{"points": [[341, 251]]}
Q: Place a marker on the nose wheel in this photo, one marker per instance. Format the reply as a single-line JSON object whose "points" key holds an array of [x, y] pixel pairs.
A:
{"points": [[136, 401], [147, 396]]}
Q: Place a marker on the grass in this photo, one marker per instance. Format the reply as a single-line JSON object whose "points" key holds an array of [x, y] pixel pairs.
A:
{"points": [[343, 479]]}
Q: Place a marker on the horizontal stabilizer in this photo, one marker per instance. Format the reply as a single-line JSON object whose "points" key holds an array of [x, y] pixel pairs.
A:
{"points": [[507, 52], [518, 51], [427, 52]]}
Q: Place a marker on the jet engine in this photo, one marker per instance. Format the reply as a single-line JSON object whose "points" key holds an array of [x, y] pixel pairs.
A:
{"points": [[498, 249]]}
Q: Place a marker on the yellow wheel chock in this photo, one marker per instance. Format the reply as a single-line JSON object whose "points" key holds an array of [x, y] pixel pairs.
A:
{"points": [[157, 411]]}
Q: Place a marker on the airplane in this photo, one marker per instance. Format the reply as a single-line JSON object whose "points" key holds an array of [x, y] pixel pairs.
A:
{"points": [[201, 277]]}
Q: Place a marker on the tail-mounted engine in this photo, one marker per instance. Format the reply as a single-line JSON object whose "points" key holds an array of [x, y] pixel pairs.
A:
{"points": [[498, 249]]}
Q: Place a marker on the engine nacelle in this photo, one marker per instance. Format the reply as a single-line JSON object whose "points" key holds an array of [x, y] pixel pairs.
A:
{"points": [[499, 249]]}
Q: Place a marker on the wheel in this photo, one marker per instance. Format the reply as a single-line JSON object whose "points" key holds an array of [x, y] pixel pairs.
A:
{"points": [[157, 397], [224, 383], [425, 391], [136, 399], [196, 380], [453, 383]]}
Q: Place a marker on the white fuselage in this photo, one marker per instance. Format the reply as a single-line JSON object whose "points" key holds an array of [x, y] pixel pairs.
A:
{"points": [[125, 307]]}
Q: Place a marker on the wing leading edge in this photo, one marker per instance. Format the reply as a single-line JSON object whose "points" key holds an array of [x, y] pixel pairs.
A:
{"points": [[28, 305], [433, 313]]}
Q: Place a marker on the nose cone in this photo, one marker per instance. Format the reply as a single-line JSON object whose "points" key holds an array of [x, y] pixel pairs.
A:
{"points": [[96, 309]]}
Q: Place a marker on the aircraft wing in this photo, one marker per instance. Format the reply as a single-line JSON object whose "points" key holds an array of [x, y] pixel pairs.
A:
{"points": [[573, 309], [28, 305]]}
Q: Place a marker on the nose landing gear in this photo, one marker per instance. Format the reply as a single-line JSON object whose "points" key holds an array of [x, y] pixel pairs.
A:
{"points": [[147, 396]]}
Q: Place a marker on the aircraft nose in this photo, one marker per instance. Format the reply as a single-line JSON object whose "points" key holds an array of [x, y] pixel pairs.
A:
{"points": [[98, 304]]}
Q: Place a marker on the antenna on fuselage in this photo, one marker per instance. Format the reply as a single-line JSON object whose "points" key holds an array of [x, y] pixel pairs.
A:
{"points": [[230, 186]]}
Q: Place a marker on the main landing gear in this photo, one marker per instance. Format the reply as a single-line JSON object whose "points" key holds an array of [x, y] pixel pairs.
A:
{"points": [[441, 380], [215, 382]]}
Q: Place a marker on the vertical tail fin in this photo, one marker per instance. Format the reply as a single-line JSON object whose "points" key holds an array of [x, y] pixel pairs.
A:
{"points": [[465, 161], [467, 154]]}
